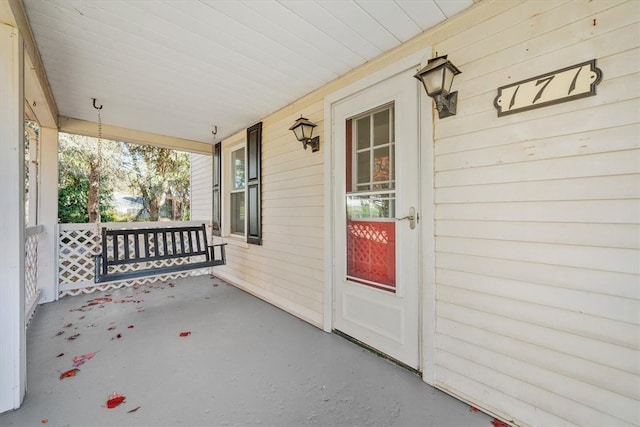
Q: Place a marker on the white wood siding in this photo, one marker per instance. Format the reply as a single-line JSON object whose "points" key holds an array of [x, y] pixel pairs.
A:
{"points": [[201, 187], [537, 216], [287, 269], [537, 221]]}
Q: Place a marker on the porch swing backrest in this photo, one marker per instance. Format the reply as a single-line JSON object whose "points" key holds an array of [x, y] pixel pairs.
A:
{"points": [[155, 251]]}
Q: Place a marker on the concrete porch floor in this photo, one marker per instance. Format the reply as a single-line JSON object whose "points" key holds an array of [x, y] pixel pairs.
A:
{"points": [[244, 363]]}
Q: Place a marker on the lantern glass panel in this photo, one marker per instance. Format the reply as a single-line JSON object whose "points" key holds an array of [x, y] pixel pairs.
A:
{"points": [[448, 80], [307, 131], [433, 81], [298, 132]]}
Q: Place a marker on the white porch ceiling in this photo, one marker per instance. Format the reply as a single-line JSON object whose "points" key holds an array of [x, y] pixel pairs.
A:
{"points": [[177, 68]]}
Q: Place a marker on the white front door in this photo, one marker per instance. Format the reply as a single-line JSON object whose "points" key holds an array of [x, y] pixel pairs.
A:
{"points": [[376, 242]]}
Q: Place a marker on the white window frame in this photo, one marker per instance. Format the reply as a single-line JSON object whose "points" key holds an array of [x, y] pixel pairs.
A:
{"points": [[227, 188]]}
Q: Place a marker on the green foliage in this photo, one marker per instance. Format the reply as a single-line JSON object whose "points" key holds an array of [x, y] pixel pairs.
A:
{"points": [[73, 197], [160, 177], [74, 158]]}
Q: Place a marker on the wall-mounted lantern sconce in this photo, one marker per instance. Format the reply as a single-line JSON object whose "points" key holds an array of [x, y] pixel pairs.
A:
{"points": [[303, 129], [437, 77]]}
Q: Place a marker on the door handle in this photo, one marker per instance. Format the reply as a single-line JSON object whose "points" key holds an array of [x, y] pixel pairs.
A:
{"points": [[411, 217]]}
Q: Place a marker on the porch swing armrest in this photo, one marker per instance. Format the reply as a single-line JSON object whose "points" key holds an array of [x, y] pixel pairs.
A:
{"points": [[212, 254]]}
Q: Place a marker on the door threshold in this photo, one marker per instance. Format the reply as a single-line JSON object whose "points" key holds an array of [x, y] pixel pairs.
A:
{"points": [[378, 353]]}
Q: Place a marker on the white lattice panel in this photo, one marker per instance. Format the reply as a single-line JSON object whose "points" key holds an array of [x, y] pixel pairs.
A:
{"points": [[79, 243], [31, 291], [76, 249], [31, 267]]}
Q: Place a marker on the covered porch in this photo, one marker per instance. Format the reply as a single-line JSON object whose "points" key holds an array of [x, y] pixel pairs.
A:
{"points": [[137, 105], [245, 362], [511, 238]]}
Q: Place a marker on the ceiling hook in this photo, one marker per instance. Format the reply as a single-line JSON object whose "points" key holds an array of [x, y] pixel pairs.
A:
{"points": [[214, 131], [95, 106]]}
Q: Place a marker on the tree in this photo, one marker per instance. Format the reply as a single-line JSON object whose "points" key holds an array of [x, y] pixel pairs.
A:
{"points": [[157, 173], [90, 173], [78, 167], [93, 201]]}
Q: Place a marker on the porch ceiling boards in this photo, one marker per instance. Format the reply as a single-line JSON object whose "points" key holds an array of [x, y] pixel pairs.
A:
{"points": [[177, 68]]}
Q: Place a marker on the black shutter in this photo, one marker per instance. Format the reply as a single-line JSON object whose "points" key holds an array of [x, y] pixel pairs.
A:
{"points": [[217, 168], [254, 171]]}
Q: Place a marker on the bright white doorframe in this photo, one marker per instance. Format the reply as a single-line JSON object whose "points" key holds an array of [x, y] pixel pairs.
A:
{"points": [[426, 224]]}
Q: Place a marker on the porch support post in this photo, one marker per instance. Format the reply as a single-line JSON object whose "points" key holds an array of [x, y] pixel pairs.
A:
{"points": [[48, 247], [13, 355], [34, 174]]}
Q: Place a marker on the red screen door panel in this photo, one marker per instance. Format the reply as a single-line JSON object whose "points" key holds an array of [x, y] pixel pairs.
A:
{"points": [[371, 252]]}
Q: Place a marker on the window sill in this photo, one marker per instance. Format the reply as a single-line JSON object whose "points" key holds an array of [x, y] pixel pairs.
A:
{"points": [[236, 241]]}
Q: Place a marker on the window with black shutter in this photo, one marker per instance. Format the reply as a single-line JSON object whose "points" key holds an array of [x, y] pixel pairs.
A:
{"points": [[217, 176], [253, 178]]}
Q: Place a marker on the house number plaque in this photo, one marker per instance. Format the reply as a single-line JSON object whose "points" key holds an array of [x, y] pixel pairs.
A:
{"points": [[567, 84]]}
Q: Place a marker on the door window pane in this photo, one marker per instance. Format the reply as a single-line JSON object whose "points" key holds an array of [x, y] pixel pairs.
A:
{"points": [[363, 132], [381, 168], [364, 167], [373, 168], [370, 200], [381, 134], [374, 206]]}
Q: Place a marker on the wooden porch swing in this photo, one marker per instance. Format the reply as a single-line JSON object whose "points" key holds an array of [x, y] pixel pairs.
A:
{"points": [[153, 251], [146, 249]]}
